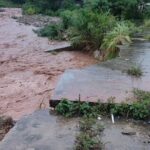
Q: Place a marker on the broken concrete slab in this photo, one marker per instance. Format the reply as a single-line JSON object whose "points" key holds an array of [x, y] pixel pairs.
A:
{"points": [[41, 131], [95, 83], [108, 79], [63, 46]]}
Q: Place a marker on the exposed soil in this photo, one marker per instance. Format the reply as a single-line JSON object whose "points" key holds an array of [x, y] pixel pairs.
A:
{"points": [[28, 75]]}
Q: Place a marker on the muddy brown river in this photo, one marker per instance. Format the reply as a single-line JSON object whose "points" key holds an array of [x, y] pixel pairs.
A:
{"points": [[28, 75]]}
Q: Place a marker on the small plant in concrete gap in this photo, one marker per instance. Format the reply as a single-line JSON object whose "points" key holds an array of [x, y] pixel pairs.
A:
{"points": [[139, 109], [135, 71], [89, 136], [70, 109]]}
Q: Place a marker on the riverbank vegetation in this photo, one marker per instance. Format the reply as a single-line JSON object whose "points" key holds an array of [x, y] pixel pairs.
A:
{"points": [[135, 71], [89, 136], [11, 3], [93, 25], [138, 109], [91, 128]]}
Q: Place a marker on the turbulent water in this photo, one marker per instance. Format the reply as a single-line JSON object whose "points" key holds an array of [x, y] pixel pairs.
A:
{"points": [[28, 74]]}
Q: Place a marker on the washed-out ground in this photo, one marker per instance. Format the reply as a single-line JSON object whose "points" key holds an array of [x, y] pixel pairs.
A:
{"points": [[28, 75]]}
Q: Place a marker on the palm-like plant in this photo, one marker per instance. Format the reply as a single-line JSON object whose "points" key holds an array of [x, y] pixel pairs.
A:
{"points": [[118, 36]]}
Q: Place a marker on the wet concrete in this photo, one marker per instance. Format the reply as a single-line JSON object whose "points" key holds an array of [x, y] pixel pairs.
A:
{"points": [[113, 138], [45, 131], [27, 74], [41, 131], [108, 79]]}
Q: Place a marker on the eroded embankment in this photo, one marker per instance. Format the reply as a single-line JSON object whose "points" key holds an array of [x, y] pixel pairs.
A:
{"points": [[28, 74]]}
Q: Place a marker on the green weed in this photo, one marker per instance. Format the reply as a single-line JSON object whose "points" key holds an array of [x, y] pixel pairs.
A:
{"points": [[89, 136], [135, 71]]}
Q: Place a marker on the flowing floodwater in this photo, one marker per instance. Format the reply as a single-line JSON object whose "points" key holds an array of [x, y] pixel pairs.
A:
{"points": [[27, 74]]}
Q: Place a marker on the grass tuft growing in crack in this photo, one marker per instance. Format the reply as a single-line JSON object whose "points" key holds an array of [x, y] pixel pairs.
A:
{"points": [[89, 136], [135, 71]]}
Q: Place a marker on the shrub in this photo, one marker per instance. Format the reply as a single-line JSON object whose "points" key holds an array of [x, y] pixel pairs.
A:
{"points": [[97, 5], [67, 18], [140, 109], [30, 9], [52, 32], [89, 136], [10, 3], [89, 28], [118, 36], [135, 71], [127, 9], [68, 4], [45, 6]]}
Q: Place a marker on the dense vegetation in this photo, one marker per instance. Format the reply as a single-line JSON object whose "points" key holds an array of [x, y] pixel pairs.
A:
{"points": [[139, 109], [93, 25], [127, 9]]}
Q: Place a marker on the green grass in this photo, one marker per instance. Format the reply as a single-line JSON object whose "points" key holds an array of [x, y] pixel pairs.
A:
{"points": [[139, 109], [118, 36], [89, 136], [135, 71], [54, 32]]}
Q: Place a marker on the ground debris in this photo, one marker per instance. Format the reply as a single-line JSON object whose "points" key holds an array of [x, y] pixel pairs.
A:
{"points": [[128, 131], [6, 123]]}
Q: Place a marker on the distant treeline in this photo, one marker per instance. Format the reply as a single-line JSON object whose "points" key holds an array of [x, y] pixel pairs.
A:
{"points": [[127, 9]]}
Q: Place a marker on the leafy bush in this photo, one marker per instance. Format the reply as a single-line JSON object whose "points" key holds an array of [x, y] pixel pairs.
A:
{"points": [[67, 18], [9, 3], [68, 4], [52, 32], [135, 71], [65, 108], [45, 6], [89, 137], [30, 10], [129, 9], [68, 108], [97, 5], [89, 28], [140, 109]]}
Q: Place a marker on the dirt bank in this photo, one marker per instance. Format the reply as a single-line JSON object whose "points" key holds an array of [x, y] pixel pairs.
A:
{"points": [[28, 75]]}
